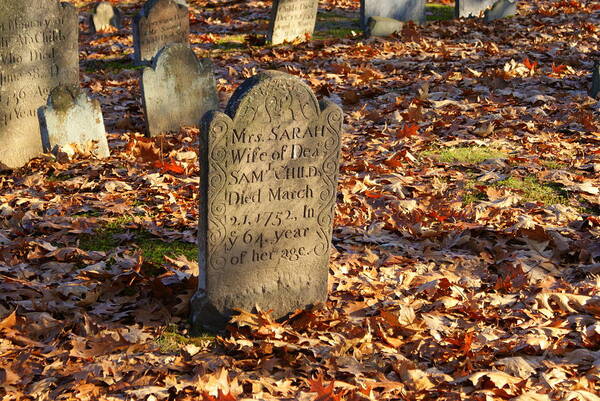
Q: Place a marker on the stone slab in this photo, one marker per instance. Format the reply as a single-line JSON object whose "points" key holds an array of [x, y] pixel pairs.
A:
{"points": [[177, 90], [401, 10], [70, 117], [104, 16], [471, 8], [269, 168], [159, 23], [382, 26], [38, 51], [292, 20]]}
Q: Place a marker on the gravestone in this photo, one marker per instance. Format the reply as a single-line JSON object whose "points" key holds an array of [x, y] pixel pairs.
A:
{"points": [[104, 16], [501, 9], [268, 190], [38, 51], [159, 23], [401, 10], [471, 8], [70, 117], [292, 20], [177, 90]]}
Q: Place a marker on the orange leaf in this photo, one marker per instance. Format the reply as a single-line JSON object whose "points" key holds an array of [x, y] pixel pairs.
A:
{"points": [[324, 393], [407, 130], [558, 69], [171, 166], [530, 66], [9, 321], [220, 397], [373, 194]]}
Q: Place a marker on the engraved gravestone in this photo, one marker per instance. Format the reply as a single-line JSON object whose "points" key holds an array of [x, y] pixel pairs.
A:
{"points": [[177, 90], [70, 117], [292, 20], [268, 188], [471, 8], [159, 23], [38, 51], [104, 16], [401, 10]]}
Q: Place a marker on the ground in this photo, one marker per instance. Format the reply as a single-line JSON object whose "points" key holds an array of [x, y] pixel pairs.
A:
{"points": [[466, 254]]}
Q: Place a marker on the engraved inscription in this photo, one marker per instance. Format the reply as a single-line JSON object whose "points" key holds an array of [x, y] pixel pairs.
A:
{"points": [[38, 51], [270, 174], [292, 20], [161, 22]]}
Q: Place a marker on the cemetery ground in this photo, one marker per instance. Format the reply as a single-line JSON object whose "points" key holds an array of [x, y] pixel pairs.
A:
{"points": [[466, 262]]}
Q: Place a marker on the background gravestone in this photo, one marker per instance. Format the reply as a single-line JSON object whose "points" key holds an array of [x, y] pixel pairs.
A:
{"points": [[401, 10], [501, 9], [268, 188], [292, 20], [72, 118], [177, 90], [104, 16], [159, 23], [39, 47]]}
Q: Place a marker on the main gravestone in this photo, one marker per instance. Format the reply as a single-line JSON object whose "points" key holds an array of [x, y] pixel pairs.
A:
{"points": [[268, 188], [401, 10], [177, 90], [159, 23], [292, 20], [38, 51]]}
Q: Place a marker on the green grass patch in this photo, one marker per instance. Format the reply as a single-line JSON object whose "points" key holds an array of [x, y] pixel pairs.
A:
{"points": [[171, 341], [469, 155], [438, 12], [554, 165], [532, 190], [111, 65], [153, 248], [336, 33]]}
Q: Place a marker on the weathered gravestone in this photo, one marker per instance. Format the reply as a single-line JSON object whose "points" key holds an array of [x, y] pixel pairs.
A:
{"points": [[292, 20], [177, 90], [501, 9], [471, 8], [104, 16], [401, 10], [72, 118], [159, 23], [38, 51], [268, 188]]}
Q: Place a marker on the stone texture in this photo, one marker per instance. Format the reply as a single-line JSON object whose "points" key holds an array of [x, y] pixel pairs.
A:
{"points": [[70, 117], [104, 16], [292, 20], [38, 51], [401, 10], [159, 23], [382, 26], [177, 90], [501, 9], [471, 8], [595, 89], [268, 188]]}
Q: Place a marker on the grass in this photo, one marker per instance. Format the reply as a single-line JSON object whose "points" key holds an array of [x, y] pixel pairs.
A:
{"points": [[171, 341], [554, 165], [153, 249], [470, 155], [438, 12], [338, 33], [529, 188], [111, 65]]}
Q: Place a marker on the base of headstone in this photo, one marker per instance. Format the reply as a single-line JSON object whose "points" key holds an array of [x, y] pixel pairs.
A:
{"points": [[501, 9]]}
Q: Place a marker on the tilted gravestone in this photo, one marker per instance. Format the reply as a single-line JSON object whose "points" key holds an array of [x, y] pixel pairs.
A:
{"points": [[292, 20], [70, 117], [268, 189], [177, 90], [159, 23], [471, 8], [401, 10], [104, 16], [38, 51]]}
